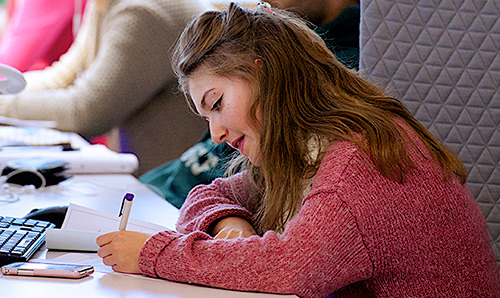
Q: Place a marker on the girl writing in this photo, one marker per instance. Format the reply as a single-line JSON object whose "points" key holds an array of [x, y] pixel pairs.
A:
{"points": [[339, 190]]}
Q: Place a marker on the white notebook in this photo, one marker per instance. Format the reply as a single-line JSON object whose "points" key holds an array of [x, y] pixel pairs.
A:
{"points": [[83, 225]]}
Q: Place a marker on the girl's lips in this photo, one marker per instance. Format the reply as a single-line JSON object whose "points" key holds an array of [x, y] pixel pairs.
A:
{"points": [[236, 143]]}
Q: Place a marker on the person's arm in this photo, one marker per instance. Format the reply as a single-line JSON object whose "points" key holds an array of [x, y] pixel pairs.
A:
{"points": [[320, 251], [206, 205], [62, 73], [211, 208], [232, 227], [130, 68], [33, 29]]}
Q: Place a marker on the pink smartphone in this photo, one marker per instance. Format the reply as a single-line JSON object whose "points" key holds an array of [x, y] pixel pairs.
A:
{"points": [[48, 269]]}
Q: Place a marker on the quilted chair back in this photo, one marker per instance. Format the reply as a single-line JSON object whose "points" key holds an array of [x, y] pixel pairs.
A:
{"points": [[442, 59]]}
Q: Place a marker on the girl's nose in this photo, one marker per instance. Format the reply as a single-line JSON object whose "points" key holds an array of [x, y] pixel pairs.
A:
{"points": [[218, 132]]}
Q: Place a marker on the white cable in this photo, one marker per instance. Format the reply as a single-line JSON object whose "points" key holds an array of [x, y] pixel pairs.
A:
{"points": [[24, 170], [10, 196]]}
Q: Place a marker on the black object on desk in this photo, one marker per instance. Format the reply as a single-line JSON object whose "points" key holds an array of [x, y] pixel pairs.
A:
{"points": [[29, 171], [53, 214], [20, 238]]}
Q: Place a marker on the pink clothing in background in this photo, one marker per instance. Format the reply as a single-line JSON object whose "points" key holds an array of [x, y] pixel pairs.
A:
{"points": [[358, 234], [38, 32]]}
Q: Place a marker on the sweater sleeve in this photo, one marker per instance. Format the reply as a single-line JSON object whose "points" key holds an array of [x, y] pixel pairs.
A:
{"points": [[206, 204], [320, 251], [131, 66], [33, 29]]}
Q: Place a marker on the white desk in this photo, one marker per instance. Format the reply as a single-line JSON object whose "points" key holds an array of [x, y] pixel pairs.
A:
{"points": [[101, 192], [104, 192]]}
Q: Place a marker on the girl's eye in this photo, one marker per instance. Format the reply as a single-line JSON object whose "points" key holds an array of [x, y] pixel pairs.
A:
{"points": [[216, 105]]}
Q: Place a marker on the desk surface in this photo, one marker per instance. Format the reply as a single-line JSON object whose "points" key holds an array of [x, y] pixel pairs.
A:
{"points": [[103, 192]]}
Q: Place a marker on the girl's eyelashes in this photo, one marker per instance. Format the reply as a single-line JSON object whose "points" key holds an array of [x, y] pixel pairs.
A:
{"points": [[216, 105]]}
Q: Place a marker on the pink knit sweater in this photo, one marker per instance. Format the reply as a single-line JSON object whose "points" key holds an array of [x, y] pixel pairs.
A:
{"points": [[357, 234]]}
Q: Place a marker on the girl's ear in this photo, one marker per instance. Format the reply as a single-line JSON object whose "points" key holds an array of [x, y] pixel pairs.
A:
{"points": [[259, 62]]}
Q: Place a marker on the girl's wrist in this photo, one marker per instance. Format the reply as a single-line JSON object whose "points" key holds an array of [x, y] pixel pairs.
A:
{"points": [[234, 222]]}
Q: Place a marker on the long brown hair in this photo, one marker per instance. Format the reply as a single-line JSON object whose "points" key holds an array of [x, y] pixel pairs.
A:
{"points": [[303, 93]]}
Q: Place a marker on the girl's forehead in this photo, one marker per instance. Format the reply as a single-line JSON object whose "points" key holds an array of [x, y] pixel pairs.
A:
{"points": [[206, 79], [200, 80], [200, 76]]}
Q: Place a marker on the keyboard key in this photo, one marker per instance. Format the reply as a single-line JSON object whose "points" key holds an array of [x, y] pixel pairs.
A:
{"points": [[30, 223], [7, 219], [37, 229], [24, 243], [16, 252], [43, 224], [18, 221]]}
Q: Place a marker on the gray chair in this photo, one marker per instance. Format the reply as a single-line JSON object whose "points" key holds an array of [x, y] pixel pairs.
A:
{"points": [[442, 59]]}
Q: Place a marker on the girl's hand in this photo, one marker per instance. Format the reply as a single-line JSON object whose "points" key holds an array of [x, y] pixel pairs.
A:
{"points": [[232, 227], [121, 250]]}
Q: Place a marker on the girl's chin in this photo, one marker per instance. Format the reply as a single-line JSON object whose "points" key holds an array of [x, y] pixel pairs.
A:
{"points": [[256, 162]]}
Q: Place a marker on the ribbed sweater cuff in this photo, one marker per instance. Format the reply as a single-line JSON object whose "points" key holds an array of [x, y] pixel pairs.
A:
{"points": [[152, 249]]}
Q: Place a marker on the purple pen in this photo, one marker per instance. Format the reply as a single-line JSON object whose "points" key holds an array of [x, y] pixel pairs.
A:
{"points": [[125, 210]]}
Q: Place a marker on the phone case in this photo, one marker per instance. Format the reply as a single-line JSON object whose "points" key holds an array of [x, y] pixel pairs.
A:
{"points": [[48, 269]]}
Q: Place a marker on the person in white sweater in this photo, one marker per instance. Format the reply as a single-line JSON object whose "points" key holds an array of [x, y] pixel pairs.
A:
{"points": [[118, 74]]}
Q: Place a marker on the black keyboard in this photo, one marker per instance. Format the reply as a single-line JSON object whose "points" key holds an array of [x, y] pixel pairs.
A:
{"points": [[20, 238]]}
